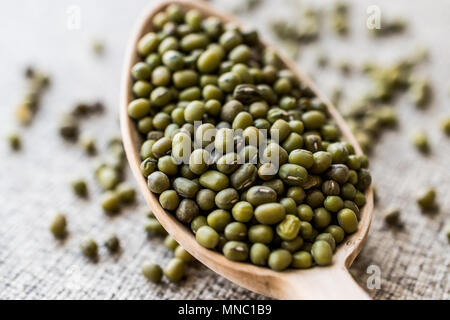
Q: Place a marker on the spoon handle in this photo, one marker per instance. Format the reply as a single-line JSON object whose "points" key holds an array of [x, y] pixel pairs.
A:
{"points": [[329, 283]]}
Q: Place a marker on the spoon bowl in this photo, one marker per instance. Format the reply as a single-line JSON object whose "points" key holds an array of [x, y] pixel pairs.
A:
{"points": [[331, 282]]}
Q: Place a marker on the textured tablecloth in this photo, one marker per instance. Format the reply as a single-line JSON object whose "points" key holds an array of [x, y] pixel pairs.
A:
{"points": [[414, 261]]}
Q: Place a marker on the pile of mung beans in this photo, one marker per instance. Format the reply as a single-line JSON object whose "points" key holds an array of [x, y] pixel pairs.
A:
{"points": [[236, 105]]}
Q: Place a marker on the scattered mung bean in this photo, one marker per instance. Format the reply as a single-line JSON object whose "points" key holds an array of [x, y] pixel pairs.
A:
{"points": [[152, 271], [427, 200], [112, 243], [15, 142], [58, 226], [392, 216], [174, 270], [79, 187], [89, 248]]}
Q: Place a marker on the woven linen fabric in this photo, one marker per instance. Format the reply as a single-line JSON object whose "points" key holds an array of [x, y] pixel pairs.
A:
{"points": [[411, 262]]}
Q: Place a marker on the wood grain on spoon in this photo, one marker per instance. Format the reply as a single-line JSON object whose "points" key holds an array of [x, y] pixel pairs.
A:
{"points": [[331, 282]]}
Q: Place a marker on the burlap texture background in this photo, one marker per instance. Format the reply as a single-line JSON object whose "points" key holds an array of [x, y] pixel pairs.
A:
{"points": [[414, 261]]}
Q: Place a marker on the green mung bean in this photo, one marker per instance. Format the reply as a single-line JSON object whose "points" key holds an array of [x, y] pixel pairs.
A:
{"points": [[392, 216], [420, 141], [152, 271], [427, 200], [89, 248], [112, 243], [58, 225], [445, 125], [15, 142], [79, 187]]}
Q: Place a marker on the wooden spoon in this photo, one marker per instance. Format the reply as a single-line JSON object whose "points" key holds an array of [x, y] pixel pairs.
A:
{"points": [[331, 282]]}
